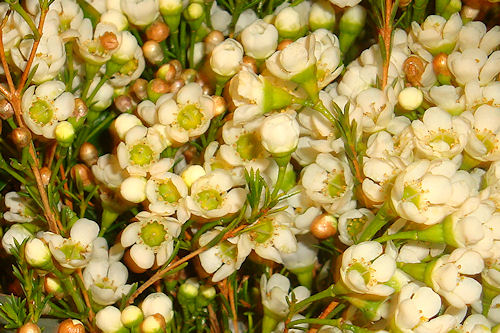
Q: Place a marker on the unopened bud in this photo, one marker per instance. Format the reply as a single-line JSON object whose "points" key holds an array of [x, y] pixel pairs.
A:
{"points": [[189, 289], [158, 31], [37, 254], [324, 226], [166, 72], [71, 326], [52, 285], [410, 98], [29, 328], [80, 109], [208, 292], [124, 104], [65, 133], [140, 89], [156, 88], [189, 75], [153, 324], [131, 265], [322, 15], [21, 137], [440, 66], [284, 43], [413, 68], [219, 105], [194, 11], [6, 109], [82, 175], [177, 85], [177, 66], [153, 52], [250, 63], [192, 173], [131, 316], [88, 153], [45, 174], [109, 41], [214, 38]]}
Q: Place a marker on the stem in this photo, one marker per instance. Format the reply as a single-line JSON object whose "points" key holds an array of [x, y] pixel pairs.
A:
{"points": [[86, 298], [386, 33], [5, 66], [279, 181], [383, 216], [27, 18]]}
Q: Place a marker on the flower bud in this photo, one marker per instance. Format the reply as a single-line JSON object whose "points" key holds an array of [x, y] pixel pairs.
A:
{"points": [[21, 137], [158, 31], [214, 38], [189, 289], [188, 75], [131, 265], [280, 134], [124, 104], [324, 226], [226, 58], [156, 88], [29, 328], [170, 7], [351, 25], [322, 15], [259, 39], [37, 254], [153, 324], [6, 109], [219, 105], [410, 98], [284, 43], [289, 23], [194, 11], [88, 153], [82, 175], [108, 320], [414, 68], [177, 85], [52, 285], [208, 292], [140, 89], [45, 174], [131, 316], [71, 326], [65, 133], [166, 72], [192, 173], [153, 52], [177, 66], [440, 66], [158, 303], [133, 189]]}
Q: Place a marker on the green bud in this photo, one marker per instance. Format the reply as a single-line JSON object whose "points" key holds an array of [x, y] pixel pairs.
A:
{"points": [[65, 133], [351, 25], [131, 316]]}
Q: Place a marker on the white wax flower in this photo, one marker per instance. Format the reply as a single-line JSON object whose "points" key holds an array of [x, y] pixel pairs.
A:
{"points": [[124, 122], [305, 256], [327, 53], [449, 98], [140, 12], [356, 79], [490, 40], [247, 17], [16, 233], [350, 224], [417, 310], [275, 291], [291, 22], [246, 87], [425, 192], [20, 208], [108, 320], [280, 133], [165, 192], [220, 18], [474, 64], [158, 303], [345, 3], [226, 57], [188, 115], [439, 135], [116, 17], [151, 239], [293, 59], [450, 278], [271, 236], [75, 251], [436, 34], [141, 149], [483, 143], [476, 323], [329, 182], [366, 269], [303, 210], [215, 195], [322, 15], [374, 109], [104, 96], [415, 251], [108, 171], [224, 258], [44, 106], [259, 39], [476, 95], [49, 59], [106, 281], [14, 29], [97, 46]]}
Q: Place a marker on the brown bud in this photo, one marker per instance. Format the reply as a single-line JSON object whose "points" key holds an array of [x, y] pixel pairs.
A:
{"points": [[29, 328], [190, 154], [284, 43], [131, 263], [140, 89], [6, 109], [88, 153], [149, 321], [158, 31], [177, 66], [52, 285], [82, 175], [250, 63], [440, 64], [45, 174], [214, 38], [219, 105], [413, 68], [159, 86], [71, 326], [324, 226], [80, 109], [177, 85], [166, 72], [153, 52], [207, 90], [189, 75], [21, 137], [124, 103], [109, 41]]}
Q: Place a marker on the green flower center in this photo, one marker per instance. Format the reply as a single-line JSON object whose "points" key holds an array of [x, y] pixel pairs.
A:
{"points": [[227, 250], [209, 199], [262, 231], [41, 112], [450, 140], [361, 269], [153, 234], [336, 185], [168, 191], [72, 251], [354, 226], [248, 146], [141, 154], [189, 117], [488, 139], [412, 195]]}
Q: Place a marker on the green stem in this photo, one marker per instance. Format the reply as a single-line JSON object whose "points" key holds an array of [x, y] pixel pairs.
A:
{"points": [[26, 17], [71, 71], [71, 289], [4, 166], [419, 8], [90, 72], [279, 181], [316, 321], [331, 291], [108, 217], [384, 215], [94, 92]]}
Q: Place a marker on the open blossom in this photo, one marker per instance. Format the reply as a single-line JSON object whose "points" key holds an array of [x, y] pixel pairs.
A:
{"points": [[374, 109], [224, 258], [44, 106], [108, 171], [151, 239], [351, 223], [418, 310], [329, 182], [97, 46], [327, 53], [215, 195], [20, 208], [275, 292], [483, 143], [15, 28], [188, 115], [366, 268], [474, 64], [106, 280]]}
